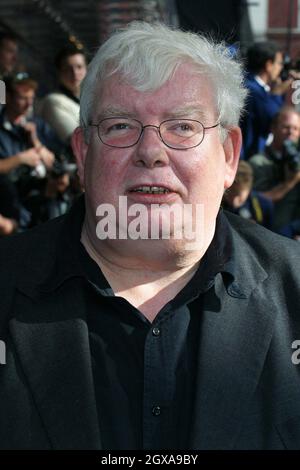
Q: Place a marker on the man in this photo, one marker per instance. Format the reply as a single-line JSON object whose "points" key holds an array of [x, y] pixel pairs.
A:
{"points": [[277, 169], [8, 53], [61, 108], [27, 144], [158, 341], [264, 63], [242, 200], [54, 198], [24, 138]]}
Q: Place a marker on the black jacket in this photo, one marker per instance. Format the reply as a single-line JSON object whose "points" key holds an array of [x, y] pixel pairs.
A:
{"points": [[247, 387]]}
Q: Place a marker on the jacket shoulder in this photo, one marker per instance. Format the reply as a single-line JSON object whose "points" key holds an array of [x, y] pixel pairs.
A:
{"points": [[272, 249], [36, 243]]}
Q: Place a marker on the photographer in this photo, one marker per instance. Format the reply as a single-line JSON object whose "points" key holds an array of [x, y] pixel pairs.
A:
{"points": [[24, 138], [27, 144], [277, 169], [55, 197]]}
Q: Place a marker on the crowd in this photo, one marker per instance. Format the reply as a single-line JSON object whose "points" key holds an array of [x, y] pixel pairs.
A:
{"points": [[267, 187], [38, 179]]}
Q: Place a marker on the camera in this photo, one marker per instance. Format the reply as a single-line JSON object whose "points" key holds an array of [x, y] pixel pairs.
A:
{"points": [[289, 64], [61, 166], [39, 171], [291, 155]]}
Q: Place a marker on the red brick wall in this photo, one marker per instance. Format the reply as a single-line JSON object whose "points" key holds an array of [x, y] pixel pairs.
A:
{"points": [[279, 13], [278, 17]]}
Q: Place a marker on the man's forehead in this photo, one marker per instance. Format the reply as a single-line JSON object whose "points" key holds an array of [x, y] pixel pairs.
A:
{"points": [[182, 94], [78, 57], [289, 117], [21, 90]]}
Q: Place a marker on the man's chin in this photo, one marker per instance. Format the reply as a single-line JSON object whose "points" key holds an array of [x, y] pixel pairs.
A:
{"points": [[153, 251]]}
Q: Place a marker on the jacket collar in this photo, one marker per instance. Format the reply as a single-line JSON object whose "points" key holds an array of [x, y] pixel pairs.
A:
{"points": [[234, 341], [236, 331], [247, 271], [239, 266]]}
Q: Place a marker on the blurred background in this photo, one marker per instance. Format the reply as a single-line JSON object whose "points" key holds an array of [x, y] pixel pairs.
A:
{"points": [[43, 26], [45, 47]]}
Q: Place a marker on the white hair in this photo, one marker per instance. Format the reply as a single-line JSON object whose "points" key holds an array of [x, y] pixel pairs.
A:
{"points": [[147, 55]]}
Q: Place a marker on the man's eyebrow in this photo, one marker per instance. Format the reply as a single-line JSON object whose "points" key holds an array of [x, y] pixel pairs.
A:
{"points": [[194, 112], [186, 112], [112, 111]]}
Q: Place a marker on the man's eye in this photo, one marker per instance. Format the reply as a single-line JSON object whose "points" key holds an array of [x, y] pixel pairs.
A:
{"points": [[185, 127], [118, 127], [182, 128]]}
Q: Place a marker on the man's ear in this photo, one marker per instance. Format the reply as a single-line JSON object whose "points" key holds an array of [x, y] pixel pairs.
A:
{"points": [[232, 148], [80, 150]]}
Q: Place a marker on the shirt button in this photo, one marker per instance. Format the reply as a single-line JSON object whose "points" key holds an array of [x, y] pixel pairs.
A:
{"points": [[156, 331], [156, 410]]}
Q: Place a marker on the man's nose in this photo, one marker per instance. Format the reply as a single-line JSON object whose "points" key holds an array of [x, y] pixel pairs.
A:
{"points": [[150, 149]]}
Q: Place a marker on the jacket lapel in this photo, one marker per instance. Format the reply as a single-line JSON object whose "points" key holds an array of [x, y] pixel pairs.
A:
{"points": [[236, 332], [53, 348]]}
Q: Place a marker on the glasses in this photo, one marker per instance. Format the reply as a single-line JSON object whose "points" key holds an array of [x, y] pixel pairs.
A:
{"points": [[179, 134]]}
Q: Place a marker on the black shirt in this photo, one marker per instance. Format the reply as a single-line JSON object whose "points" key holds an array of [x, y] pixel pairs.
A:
{"points": [[144, 372]]}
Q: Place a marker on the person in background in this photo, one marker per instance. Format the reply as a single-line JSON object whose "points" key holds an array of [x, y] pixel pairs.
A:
{"points": [[266, 91], [24, 138], [277, 168], [55, 198], [8, 53], [242, 200], [61, 108]]}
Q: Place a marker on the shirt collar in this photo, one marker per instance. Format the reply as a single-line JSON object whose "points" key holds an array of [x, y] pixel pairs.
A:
{"points": [[73, 261], [11, 127], [7, 124], [261, 82]]}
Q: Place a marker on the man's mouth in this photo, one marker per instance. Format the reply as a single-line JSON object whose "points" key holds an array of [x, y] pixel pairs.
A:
{"points": [[150, 190]]}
